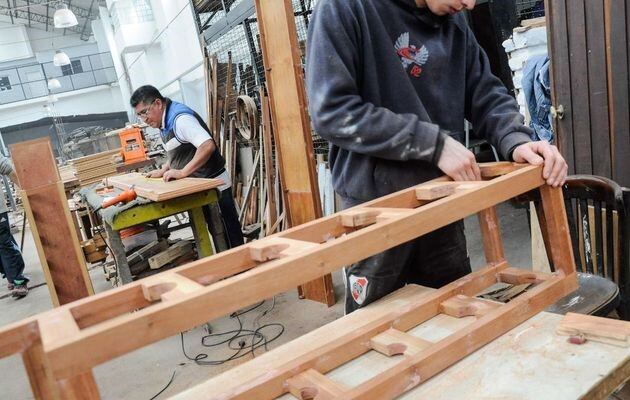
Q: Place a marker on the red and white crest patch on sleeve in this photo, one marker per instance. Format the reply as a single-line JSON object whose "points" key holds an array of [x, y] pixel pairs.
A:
{"points": [[358, 288]]}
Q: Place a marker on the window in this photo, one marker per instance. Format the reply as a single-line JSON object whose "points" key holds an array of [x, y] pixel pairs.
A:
{"points": [[5, 84], [75, 67], [130, 12]]}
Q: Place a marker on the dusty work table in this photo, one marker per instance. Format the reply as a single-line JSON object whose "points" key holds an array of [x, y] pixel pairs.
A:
{"points": [[529, 362], [143, 210]]}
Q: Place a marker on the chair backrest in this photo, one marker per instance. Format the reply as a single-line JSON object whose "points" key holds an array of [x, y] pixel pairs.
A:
{"points": [[599, 225]]}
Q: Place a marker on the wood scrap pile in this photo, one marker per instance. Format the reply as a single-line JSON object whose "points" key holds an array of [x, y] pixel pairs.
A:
{"points": [[160, 255], [240, 117], [94, 249], [95, 167]]}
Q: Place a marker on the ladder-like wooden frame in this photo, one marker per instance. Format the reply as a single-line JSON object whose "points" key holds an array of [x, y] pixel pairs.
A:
{"points": [[61, 346]]}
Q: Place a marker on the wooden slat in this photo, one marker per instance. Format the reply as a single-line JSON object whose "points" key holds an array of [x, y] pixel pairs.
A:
{"points": [[311, 384], [598, 87], [617, 28], [73, 354], [274, 248], [557, 229], [580, 111], [491, 235], [557, 34], [465, 306], [340, 341], [359, 217], [416, 369], [604, 330], [393, 342], [285, 82], [515, 276]]}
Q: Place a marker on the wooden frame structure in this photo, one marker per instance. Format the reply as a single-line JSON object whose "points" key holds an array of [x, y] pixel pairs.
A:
{"points": [[61, 346]]}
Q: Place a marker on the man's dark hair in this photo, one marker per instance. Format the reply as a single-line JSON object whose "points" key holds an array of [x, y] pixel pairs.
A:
{"points": [[145, 94]]}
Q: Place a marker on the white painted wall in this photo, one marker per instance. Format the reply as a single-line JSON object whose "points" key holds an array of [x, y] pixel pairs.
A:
{"points": [[95, 100], [14, 43]]}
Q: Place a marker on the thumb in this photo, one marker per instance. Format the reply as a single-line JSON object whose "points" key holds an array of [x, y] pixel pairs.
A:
{"points": [[526, 153]]}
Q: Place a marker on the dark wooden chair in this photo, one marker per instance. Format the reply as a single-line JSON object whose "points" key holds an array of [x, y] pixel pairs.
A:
{"points": [[598, 212]]}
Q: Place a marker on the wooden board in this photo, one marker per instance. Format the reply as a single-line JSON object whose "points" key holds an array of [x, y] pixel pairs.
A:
{"points": [[157, 190], [291, 124], [48, 207]]}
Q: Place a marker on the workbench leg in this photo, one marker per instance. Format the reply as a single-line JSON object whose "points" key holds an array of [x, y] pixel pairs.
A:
{"points": [[200, 232], [119, 254]]}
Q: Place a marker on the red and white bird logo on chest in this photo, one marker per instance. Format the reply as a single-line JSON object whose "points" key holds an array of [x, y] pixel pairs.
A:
{"points": [[411, 55]]}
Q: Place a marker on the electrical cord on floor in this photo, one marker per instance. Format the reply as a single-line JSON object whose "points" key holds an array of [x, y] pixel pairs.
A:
{"points": [[237, 339], [165, 387]]}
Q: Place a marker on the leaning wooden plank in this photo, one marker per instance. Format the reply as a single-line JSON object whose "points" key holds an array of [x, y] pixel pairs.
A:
{"points": [[73, 354], [158, 190], [417, 369], [604, 330], [37, 171], [292, 129]]}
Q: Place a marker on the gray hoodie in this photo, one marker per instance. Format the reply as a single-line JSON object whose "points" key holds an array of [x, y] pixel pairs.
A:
{"points": [[387, 80]]}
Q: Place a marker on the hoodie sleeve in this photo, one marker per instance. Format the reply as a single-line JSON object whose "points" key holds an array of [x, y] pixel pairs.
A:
{"points": [[6, 167], [492, 111], [338, 112]]}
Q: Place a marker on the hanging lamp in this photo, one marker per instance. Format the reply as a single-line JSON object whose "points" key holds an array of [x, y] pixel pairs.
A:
{"points": [[60, 58], [64, 18]]}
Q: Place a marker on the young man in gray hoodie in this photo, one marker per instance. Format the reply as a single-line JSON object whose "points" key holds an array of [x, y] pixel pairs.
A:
{"points": [[389, 84], [11, 261]]}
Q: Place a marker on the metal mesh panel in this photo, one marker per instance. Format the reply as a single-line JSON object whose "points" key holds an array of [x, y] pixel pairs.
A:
{"points": [[528, 9], [241, 45]]}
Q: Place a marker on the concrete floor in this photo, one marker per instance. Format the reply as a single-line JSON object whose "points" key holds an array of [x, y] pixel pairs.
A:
{"points": [[143, 373]]}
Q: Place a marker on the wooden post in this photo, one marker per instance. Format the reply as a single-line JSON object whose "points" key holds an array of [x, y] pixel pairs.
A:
{"points": [[39, 179], [285, 82], [491, 233]]}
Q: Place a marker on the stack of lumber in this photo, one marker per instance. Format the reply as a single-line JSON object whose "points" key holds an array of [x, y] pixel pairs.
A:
{"points": [[160, 255], [156, 189], [95, 167], [94, 249]]}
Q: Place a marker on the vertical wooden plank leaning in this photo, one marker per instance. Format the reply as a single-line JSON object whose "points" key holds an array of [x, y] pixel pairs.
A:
{"points": [[285, 82], [38, 177], [491, 234], [557, 33]]}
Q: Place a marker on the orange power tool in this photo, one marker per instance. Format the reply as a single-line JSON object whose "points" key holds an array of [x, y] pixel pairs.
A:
{"points": [[125, 197]]}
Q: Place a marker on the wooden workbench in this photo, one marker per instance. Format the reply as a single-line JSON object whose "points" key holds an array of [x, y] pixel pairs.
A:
{"points": [[528, 362]]}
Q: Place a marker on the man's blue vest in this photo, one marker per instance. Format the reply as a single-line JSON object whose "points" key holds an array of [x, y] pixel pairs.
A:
{"points": [[182, 154]]}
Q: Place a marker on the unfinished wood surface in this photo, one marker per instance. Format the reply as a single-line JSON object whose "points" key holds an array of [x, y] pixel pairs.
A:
{"points": [[94, 330], [176, 250], [491, 235], [393, 342], [292, 128], [267, 136], [437, 190], [358, 217], [46, 202], [523, 364], [611, 331], [310, 384], [465, 306], [157, 190]]}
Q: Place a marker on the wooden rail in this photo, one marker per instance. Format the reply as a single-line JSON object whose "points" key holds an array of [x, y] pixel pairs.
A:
{"points": [[91, 331]]}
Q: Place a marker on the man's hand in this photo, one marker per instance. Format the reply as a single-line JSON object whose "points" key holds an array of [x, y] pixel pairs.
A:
{"points": [[158, 173], [538, 153], [173, 174], [458, 162]]}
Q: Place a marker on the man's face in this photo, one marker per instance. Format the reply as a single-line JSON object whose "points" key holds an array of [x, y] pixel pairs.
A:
{"points": [[445, 7], [151, 113]]}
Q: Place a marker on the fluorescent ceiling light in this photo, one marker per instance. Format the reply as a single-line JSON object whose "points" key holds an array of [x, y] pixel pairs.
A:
{"points": [[60, 58], [64, 18], [54, 84]]}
